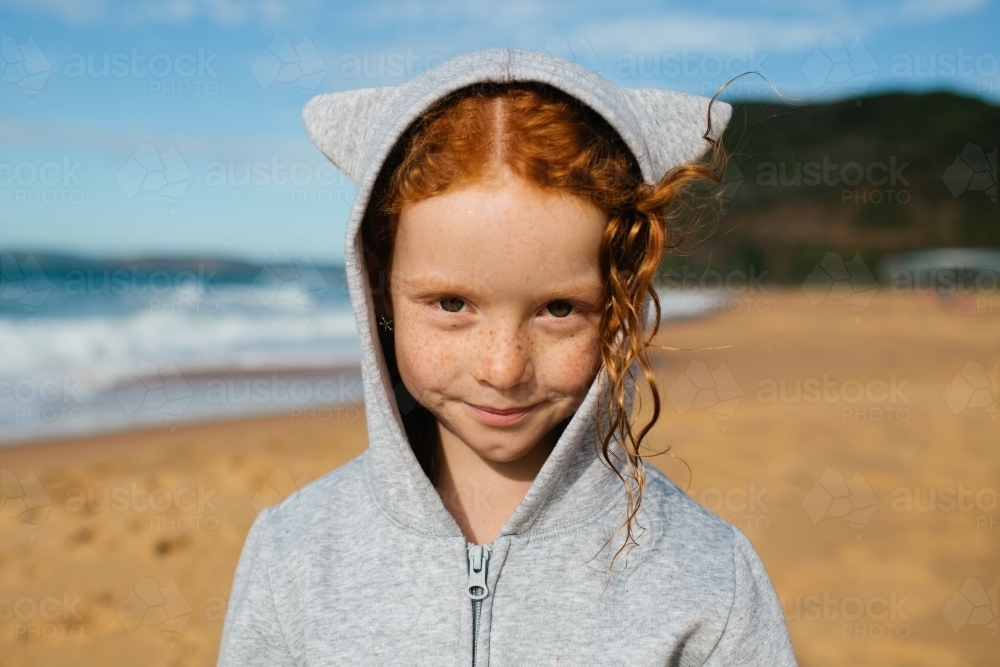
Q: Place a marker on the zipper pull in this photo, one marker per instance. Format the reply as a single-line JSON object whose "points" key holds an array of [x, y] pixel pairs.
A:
{"points": [[479, 555]]}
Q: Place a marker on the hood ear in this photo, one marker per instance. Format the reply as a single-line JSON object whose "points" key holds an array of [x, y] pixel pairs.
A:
{"points": [[340, 123], [674, 124]]}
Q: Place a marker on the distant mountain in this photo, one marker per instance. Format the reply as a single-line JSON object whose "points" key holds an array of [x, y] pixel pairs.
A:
{"points": [[872, 176], [219, 270]]}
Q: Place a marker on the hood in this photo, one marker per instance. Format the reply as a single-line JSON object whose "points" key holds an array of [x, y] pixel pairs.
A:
{"points": [[357, 130]]}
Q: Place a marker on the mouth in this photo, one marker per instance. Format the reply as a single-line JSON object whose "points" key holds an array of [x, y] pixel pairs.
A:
{"points": [[492, 416]]}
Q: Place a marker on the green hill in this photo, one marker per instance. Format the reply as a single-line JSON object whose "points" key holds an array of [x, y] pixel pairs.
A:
{"points": [[860, 176]]}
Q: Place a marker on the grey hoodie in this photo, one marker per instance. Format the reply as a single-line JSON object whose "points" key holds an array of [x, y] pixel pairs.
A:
{"points": [[365, 566]]}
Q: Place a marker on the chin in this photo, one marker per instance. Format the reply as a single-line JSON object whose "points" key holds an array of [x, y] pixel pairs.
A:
{"points": [[499, 448]]}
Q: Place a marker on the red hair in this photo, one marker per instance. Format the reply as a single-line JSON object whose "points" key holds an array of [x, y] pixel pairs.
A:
{"points": [[553, 141]]}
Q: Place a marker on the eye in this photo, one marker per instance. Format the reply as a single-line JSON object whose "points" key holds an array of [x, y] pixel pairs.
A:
{"points": [[452, 304], [560, 308]]}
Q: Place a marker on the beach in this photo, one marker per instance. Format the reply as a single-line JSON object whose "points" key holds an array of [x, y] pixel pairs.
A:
{"points": [[855, 441]]}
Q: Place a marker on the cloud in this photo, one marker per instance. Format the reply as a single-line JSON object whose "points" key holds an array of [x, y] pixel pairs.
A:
{"points": [[704, 33], [70, 11], [113, 143], [229, 12], [925, 11]]}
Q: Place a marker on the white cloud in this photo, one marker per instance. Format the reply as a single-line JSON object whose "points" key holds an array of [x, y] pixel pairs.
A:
{"points": [[925, 11], [70, 11], [704, 33], [113, 142], [161, 11]]}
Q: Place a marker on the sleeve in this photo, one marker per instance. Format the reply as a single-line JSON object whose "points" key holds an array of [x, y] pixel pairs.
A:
{"points": [[252, 634], [755, 633]]}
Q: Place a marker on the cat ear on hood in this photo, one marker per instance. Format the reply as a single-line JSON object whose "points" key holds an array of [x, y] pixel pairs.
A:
{"points": [[339, 123], [674, 125], [671, 124]]}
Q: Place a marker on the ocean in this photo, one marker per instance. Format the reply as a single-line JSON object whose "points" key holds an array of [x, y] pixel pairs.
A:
{"points": [[92, 346]]}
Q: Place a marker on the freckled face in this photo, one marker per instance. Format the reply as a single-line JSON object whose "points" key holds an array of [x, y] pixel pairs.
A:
{"points": [[496, 294]]}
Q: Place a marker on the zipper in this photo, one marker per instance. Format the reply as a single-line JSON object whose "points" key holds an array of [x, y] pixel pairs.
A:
{"points": [[477, 589]]}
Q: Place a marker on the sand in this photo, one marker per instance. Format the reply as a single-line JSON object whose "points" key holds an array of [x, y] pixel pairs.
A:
{"points": [[121, 549]]}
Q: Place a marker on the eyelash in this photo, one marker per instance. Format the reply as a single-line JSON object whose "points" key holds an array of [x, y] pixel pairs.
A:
{"points": [[548, 307]]}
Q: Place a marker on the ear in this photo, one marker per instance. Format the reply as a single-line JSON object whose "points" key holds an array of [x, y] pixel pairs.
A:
{"points": [[674, 125], [340, 124]]}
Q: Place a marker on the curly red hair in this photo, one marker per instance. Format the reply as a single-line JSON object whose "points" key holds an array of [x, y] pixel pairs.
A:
{"points": [[553, 141]]}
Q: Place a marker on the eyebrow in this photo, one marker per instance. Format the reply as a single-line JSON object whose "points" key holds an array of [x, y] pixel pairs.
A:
{"points": [[432, 283], [427, 285]]}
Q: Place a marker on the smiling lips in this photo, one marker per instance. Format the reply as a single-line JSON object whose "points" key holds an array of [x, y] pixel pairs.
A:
{"points": [[497, 417]]}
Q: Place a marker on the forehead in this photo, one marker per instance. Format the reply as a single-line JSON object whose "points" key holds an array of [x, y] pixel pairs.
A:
{"points": [[504, 231]]}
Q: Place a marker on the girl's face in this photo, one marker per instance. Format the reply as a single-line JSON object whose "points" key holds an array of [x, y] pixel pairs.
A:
{"points": [[496, 297]]}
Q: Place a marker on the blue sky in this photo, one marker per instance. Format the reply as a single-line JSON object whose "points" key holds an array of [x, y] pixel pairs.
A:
{"points": [[127, 127]]}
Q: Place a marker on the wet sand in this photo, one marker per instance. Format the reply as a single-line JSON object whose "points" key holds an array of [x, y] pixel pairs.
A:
{"points": [[859, 451]]}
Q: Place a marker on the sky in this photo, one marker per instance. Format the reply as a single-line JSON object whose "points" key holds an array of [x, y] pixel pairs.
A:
{"points": [[174, 127]]}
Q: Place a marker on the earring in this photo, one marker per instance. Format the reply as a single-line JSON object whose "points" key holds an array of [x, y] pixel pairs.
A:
{"points": [[385, 323]]}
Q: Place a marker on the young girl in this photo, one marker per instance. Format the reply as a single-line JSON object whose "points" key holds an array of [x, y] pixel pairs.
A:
{"points": [[512, 209]]}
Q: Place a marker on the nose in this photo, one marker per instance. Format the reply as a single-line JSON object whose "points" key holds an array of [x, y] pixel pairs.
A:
{"points": [[503, 357]]}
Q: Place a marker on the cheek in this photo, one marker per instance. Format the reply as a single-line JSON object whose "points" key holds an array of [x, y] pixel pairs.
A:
{"points": [[568, 366], [425, 359]]}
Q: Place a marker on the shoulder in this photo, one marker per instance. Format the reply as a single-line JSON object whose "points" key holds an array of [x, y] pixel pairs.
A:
{"points": [[316, 512], [695, 545], [694, 564], [678, 515]]}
